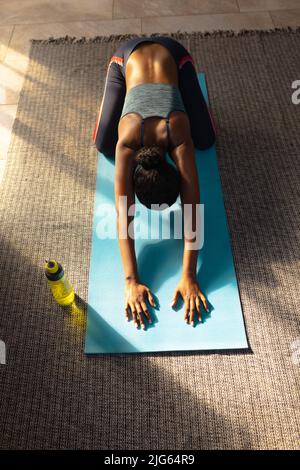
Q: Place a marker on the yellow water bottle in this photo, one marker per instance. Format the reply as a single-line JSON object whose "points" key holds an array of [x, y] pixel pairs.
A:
{"points": [[60, 285]]}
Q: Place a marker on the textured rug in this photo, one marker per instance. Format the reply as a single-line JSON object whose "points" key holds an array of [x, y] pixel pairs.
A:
{"points": [[54, 397]]}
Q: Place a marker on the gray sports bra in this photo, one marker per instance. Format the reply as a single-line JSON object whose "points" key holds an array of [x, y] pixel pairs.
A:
{"points": [[153, 99]]}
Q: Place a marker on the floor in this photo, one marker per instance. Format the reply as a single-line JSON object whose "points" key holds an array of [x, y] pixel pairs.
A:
{"points": [[44, 18]]}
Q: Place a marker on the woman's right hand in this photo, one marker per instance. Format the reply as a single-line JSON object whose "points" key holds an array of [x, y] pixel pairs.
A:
{"points": [[136, 295]]}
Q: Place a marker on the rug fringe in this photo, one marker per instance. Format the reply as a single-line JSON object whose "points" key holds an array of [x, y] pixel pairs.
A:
{"points": [[178, 35]]}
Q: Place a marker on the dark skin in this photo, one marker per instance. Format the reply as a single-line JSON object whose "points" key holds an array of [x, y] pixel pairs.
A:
{"points": [[152, 63]]}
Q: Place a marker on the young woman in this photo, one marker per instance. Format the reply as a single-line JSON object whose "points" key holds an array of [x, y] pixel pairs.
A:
{"points": [[152, 105]]}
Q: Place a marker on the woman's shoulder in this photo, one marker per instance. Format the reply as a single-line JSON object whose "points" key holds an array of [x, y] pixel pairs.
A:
{"points": [[129, 131], [180, 128]]}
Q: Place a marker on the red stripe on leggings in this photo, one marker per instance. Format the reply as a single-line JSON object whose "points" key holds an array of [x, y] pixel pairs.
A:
{"points": [[184, 60], [96, 126], [118, 60]]}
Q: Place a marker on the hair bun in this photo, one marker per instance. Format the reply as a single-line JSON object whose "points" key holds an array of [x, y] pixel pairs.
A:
{"points": [[149, 157]]}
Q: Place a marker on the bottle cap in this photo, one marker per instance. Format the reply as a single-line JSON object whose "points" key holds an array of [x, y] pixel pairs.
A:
{"points": [[51, 266], [53, 270]]}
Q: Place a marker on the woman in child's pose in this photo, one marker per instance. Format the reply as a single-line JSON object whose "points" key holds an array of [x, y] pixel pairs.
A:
{"points": [[153, 104]]}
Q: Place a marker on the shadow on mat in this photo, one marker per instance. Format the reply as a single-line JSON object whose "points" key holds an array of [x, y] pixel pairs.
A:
{"points": [[101, 332]]}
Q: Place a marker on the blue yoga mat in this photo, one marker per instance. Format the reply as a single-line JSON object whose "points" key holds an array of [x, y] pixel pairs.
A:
{"points": [[159, 263]]}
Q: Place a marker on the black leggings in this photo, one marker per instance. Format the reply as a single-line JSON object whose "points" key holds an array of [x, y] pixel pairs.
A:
{"points": [[105, 134]]}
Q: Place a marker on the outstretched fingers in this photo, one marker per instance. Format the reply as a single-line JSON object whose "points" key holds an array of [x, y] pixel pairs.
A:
{"points": [[134, 313], [186, 310], [192, 311], [198, 307], [127, 312], [146, 311], [204, 301], [175, 298], [150, 298], [139, 310], [193, 308]]}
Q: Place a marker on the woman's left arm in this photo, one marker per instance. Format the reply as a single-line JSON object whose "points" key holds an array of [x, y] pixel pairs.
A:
{"points": [[188, 287]]}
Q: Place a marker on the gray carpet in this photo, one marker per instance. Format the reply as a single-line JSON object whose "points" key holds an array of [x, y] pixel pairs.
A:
{"points": [[52, 395]]}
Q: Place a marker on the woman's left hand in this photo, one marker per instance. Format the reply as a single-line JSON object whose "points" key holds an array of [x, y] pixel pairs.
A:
{"points": [[192, 296]]}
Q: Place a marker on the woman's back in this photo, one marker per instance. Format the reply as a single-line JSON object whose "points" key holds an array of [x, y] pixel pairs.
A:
{"points": [[151, 63]]}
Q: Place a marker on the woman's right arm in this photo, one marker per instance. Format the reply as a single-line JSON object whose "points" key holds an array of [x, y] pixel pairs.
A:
{"points": [[135, 292], [124, 198]]}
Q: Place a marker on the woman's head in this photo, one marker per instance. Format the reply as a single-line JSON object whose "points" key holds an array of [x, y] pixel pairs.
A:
{"points": [[155, 180]]}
